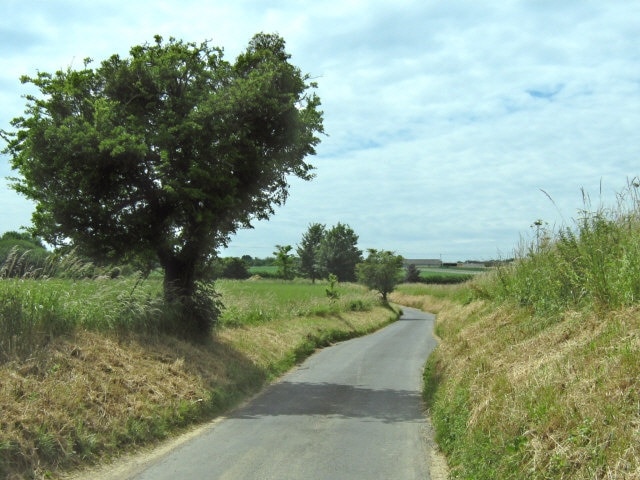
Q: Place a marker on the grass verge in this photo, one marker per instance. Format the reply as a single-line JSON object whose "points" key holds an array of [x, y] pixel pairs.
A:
{"points": [[86, 395], [510, 398], [537, 374]]}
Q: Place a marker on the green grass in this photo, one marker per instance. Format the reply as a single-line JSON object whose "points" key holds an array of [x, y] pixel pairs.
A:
{"points": [[267, 270], [250, 302], [537, 375]]}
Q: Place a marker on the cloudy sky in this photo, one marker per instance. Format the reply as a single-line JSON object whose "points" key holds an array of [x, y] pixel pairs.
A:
{"points": [[452, 125]]}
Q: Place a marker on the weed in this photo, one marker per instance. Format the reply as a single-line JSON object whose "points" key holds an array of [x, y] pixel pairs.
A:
{"points": [[594, 265], [45, 443], [332, 290]]}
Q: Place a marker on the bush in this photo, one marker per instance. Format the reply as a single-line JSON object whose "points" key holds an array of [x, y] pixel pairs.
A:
{"points": [[412, 274], [234, 268]]}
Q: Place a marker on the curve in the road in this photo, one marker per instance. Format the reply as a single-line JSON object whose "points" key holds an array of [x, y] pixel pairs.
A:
{"points": [[350, 411]]}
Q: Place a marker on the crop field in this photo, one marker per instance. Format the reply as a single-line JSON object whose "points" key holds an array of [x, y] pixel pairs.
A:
{"points": [[445, 275], [269, 270]]}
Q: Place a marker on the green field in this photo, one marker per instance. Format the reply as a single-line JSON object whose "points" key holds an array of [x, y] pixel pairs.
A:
{"points": [[445, 275], [270, 270]]}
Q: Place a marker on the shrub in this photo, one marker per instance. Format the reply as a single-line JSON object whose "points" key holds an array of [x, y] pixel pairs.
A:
{"points": [[234, 268], [412, 274]]}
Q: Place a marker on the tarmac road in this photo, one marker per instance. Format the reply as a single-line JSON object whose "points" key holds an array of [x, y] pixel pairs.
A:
{"points": [[350, 411]]}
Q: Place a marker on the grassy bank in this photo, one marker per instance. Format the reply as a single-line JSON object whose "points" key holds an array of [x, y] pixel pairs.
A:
{"points": [[516, 396], [538, 372], [102, 384]]}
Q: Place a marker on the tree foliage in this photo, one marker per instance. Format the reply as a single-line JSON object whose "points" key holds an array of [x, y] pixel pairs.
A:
{"points": [[285, 262], [412, 274], [23, 241], [309, 251], [234, 268], [166, 153], [21, 253], [339, 252], [381, 271]]}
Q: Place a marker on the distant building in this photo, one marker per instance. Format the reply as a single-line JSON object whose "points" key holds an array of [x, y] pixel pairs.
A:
{"points": [[423, 262]]}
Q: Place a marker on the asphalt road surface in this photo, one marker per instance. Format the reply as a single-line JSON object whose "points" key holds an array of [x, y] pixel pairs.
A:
{"points": [[351, 411]]}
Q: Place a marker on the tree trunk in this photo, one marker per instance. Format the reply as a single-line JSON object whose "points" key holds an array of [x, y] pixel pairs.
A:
{"points": [[192, 317], [179, 279]]}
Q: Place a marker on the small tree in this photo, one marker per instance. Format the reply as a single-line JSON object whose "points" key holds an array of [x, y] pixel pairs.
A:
{"points": [[339, 253], [412, 274], [309, 251], [284, 261], [332, 290], [381, 271]]}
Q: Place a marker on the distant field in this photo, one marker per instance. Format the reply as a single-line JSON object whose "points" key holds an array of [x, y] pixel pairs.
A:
{"points": [[451, 270], [437, 275], [265, 269], [445, 275]]}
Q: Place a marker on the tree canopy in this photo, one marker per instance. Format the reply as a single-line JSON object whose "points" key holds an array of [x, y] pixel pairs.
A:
{"points": [[309, 251], [381, 271], [339, 252], [166, 153], [285, 262]]}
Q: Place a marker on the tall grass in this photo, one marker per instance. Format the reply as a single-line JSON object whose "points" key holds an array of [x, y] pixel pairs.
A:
{"points": [[593, 265], [34, 311], [32, 264], [539, 377]]}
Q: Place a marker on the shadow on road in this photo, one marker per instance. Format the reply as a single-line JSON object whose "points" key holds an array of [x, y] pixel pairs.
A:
{"points": [[326, 399]]}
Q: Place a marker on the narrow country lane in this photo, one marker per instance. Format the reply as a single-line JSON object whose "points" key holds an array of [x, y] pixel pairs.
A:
{"points": [[351, 411]]}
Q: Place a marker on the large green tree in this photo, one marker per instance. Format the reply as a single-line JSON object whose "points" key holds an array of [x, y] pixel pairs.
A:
{"points": [[339, 252], [309, 251], [381, 271], [164, 153]]}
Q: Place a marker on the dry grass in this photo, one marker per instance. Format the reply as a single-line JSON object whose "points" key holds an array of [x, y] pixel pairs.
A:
{"points": [[87, 396], [432, 298], [91, 394], [426, 303], [270, 344], [518, 399]]}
